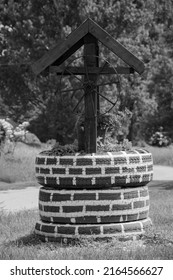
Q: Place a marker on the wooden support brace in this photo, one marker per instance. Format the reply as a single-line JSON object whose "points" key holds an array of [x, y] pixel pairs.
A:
{"points": [[59, 70]]}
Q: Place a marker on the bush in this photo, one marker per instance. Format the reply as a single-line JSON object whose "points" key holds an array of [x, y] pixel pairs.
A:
{"points": [[160, 139]]}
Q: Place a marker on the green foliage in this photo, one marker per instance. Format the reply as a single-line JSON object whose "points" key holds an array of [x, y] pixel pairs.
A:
{"points": [[29, 29], [159, 139], [61, 150], [112, 145]]}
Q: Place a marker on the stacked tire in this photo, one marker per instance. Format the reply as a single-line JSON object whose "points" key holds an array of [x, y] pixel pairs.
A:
{"points": [[92, 195]]}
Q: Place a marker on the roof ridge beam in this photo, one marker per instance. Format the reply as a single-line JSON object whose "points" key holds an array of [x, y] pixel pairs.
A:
{"points": [[59, 49], [117, 48]]}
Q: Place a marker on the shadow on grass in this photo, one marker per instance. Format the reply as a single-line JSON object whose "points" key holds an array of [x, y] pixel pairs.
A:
{"points": [[156, 239], [166, 185], [33, 239], [27, 240]]}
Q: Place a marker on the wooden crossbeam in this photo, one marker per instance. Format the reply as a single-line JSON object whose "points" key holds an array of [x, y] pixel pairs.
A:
{"points": [[59, 70]]}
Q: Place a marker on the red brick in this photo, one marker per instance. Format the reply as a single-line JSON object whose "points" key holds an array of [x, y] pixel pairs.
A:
{"points": [[105, 161], [147, 158], [58, 170], [51, 161], [38, 226], [120, 160], [84, 196], [127, 170], [97, 207], [40, 160], [61, 197], [44, 196], [132, 194], [141, 168], [110, 229], [93, 170], [69, 209], [48, 208], [112, 170], [103, 180], [121, 206], [130, 217], [66, 181], [40, 180], [48, 228], [110, 219], [37, 169], [150, 167], [133, 226], [86, 220], [84, 161], [89, 230], [51, 181], [146, 177], [45, 219], [135, 178], [83, 181], [143, 215], [62, 220], [134, 159], [138, 204], [109, 196], [44, 171], [40, 207], [66, 230], [144, 193], [75, 171], [121, 180], [66, 161]]}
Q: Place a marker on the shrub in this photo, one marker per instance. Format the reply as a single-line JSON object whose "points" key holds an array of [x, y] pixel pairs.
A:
{"points": [[160, 139]]}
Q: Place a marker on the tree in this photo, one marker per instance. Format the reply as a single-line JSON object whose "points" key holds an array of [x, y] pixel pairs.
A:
{"points": [[29, 29]]}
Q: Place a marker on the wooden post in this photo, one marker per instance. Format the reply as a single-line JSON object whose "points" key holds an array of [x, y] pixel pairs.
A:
{"points": [[90, 60]]}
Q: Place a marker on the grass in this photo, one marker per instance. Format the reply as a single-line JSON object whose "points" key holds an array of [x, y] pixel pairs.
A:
{"points": [[19, 167], [161, 156], [18, 241]]}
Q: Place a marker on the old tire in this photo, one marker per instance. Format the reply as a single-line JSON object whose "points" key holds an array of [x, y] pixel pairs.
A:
{"points": [[93, 171], [93, 206], [57, 232]]}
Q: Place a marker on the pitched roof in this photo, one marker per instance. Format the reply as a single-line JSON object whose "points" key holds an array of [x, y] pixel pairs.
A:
{"points": [[74, 41]]}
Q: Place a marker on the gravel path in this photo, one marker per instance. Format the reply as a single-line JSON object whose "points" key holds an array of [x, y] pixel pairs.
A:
{"points": [[27, 198]]}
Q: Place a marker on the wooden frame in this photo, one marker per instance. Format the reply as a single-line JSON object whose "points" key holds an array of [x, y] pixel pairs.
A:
{"points": [[75, 40], [88, 34]]}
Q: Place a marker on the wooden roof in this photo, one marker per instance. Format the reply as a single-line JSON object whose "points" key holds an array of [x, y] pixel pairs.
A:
{"points": [[75, 40]]}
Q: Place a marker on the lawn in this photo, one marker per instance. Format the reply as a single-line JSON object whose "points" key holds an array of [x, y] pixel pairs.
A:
{"points": [[162, 156], [19, 166]]}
